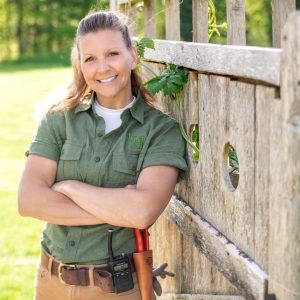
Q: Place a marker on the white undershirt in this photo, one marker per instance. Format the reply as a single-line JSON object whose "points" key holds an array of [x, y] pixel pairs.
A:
{"points": [[112, 117]]}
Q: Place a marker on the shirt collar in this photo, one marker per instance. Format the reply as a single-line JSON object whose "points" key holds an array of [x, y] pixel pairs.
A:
{"points": [[136, 110]]}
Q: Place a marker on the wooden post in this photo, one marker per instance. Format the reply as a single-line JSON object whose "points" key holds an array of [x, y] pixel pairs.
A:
{"points": [[172, 20], [149, 19], [113, 5], [200, 21], [284, 255], [280, 11], [236, 20], [128, 8]]}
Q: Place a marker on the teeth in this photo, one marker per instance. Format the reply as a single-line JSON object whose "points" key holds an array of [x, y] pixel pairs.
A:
{"points": [[108, 79]]}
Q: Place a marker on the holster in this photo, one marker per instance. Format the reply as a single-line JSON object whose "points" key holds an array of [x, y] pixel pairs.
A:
{"points": [[143, 262]]}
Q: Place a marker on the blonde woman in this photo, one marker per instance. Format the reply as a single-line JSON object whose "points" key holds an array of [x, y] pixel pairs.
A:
{"points": [[103, 158]]}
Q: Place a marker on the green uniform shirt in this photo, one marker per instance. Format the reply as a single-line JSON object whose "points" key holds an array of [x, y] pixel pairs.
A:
{"points": [[76, 140]]}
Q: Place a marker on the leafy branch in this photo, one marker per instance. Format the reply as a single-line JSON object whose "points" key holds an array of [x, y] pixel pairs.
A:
{"points": [[233, 161]]}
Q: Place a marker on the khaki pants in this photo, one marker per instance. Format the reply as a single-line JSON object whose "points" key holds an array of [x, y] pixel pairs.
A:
{"points": [[48, 287]]}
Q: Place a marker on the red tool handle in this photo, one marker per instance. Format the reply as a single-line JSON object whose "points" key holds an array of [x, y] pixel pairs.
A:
{"points": [[146, 239], [138, 240]]}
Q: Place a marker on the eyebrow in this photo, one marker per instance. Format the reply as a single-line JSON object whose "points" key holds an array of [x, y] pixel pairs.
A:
{"points": [[111, 49]]}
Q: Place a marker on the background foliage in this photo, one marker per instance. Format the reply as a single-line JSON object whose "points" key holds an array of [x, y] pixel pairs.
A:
{"points": [[32, 28]]}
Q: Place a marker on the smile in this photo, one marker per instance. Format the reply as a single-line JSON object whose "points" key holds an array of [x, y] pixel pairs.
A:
{"points": [[110, 79]]}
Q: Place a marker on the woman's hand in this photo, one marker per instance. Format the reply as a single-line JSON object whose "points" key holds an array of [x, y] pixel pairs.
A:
{"points": [[61, 186], [130, 186]]}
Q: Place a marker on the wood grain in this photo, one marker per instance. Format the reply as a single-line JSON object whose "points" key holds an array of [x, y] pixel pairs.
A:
{"points": [[236, 22], [200, 21], [172, 20], [149, 19], [280, 12], [284, 250], [254, 63], [227, 258]]}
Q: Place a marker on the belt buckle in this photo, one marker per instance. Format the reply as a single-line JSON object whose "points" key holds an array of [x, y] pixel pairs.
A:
{"points": [[60, 267]]}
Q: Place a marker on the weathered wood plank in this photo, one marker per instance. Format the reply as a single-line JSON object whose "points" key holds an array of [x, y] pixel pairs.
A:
{"points": [[199, 275], [227, 116], [227, 258], [190, 108], [166, 241], [264, 97], [284, 264], [193, 271], [236, 22], [200, 21], [255, 63], [172, 20], [280, 12], [149, 19], [199, 297]]}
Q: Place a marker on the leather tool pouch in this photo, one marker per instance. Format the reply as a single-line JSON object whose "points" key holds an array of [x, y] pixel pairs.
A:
{"points": [[143, 262], [104, 280]]}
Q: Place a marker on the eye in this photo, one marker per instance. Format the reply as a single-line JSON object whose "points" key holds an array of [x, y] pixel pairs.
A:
{"points": [[91, 58], [113, 53]]}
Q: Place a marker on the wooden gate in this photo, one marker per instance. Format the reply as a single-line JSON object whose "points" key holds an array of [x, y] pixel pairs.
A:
{"points": [[225, 241]]}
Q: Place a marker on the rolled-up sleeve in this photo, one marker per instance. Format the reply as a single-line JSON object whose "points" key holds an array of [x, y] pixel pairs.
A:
{"points": [[168, 148], [46, 141]]}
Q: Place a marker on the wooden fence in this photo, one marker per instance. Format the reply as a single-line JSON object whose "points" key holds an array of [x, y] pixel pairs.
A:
{"points": [[225, 241]]}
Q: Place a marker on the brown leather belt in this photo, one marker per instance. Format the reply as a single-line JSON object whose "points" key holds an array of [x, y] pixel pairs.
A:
{"points": [[83, 275]]}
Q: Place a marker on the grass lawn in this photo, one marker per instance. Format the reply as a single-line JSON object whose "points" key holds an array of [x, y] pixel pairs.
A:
{"points": [[21, 91]]}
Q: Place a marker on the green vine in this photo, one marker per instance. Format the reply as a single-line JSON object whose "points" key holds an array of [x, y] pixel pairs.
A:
{"points": [[213, 27], [171, 83]]}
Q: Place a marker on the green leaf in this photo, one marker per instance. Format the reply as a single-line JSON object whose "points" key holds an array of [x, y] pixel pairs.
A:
{"points": [[142, 44], [154, 85]]}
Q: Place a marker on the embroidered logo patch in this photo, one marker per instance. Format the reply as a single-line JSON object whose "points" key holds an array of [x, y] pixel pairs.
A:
{"points": [[136, 140]]}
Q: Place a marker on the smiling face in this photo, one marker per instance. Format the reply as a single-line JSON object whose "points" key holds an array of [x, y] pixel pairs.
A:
{"points": [[106, 64]]}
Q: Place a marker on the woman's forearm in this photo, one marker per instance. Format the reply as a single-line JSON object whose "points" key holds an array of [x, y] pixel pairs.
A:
{"points": [[137, 207], [117, 206], [43, 203]]}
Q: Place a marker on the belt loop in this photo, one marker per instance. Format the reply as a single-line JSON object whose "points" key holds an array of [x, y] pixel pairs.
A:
{"points": [[50, 266], [91, 276]]}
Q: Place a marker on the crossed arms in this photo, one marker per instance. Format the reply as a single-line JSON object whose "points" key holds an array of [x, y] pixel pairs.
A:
{"points": [[72, 202]]}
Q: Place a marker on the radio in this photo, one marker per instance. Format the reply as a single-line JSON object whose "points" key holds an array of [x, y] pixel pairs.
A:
{"points": [[120, 268]]}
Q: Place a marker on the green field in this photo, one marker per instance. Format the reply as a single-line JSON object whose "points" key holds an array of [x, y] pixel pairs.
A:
{"points": [[22, 89]]}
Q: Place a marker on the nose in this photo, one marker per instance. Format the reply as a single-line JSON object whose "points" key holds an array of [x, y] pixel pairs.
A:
{"points": [[102, 66]]}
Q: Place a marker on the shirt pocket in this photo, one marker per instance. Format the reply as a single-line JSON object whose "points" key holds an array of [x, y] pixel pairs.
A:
{"points": [[124, 168], [69, 164]]}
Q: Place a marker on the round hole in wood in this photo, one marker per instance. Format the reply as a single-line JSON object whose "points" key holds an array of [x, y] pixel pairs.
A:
{"points": [[231, 167]]}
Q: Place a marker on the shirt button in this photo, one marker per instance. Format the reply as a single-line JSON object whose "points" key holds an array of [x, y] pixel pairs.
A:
{"points": [[97, 159], [72, 243]]}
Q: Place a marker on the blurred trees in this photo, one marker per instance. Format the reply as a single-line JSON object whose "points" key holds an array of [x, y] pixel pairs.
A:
{"points": [[34, 27], [38, 26]]}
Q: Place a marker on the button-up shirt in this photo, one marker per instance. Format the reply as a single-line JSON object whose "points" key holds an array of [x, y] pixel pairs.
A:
{"points": [[76, 140]]}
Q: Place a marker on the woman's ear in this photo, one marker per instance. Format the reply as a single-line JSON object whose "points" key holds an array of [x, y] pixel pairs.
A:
{"points": [[134, 55]]}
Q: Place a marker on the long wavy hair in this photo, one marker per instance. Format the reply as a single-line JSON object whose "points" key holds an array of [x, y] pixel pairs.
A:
{"points": [[93, 22]]}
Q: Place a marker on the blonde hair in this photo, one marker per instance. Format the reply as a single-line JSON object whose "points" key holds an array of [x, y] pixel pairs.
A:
{"points": [[94, 22]]}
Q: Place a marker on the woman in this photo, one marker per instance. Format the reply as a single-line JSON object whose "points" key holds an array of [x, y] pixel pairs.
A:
{"points": [[103, 158]]}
